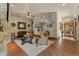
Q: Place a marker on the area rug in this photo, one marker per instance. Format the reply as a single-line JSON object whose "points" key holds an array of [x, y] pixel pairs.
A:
{"points": [[31, 49]]}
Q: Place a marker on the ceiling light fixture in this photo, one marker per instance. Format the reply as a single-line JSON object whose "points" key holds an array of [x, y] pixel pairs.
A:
{"points": [[12, 5], [63, 4], [29, 14]]}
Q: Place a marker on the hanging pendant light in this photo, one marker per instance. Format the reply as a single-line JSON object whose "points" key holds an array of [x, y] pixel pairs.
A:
{"points": [[29, 13], [30, 16]]}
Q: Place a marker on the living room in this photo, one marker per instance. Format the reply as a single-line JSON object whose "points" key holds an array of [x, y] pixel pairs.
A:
{"points": [[30, 28]]}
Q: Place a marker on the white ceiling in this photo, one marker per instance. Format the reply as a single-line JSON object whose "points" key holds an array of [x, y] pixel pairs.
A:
{"points": [[43, 7]]}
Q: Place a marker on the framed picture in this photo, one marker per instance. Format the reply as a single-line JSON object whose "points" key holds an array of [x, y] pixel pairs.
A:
{"points": [[21, 25], [51, 24], [1, 28]]}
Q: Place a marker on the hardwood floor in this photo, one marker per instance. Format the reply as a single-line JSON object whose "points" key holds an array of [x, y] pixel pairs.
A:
{"points": [[62, 48], [15, 50], [58, 48]]}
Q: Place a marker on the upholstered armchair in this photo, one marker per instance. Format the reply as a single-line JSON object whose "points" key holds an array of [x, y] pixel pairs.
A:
{"points": [[44, 38]]}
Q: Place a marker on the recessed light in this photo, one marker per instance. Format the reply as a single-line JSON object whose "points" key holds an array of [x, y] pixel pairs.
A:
{"points": [[63, 4], [11, 5]]}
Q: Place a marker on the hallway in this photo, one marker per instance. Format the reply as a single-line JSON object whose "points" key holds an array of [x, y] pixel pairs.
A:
{"points": [[69, 28]]}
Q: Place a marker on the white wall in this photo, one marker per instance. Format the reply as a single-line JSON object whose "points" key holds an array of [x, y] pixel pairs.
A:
{"points": [[77, 33], [15, 19], [60, 14], [53, 29]]}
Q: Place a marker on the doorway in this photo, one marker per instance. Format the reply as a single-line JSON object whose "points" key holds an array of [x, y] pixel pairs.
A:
{"points": [[69, 29]]}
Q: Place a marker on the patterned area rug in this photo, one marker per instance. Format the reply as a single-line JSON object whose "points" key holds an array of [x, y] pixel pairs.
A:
{"points": [[31, 49]]}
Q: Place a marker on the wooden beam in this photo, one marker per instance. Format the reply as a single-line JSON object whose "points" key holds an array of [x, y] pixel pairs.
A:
{"points": [[7, 12]]}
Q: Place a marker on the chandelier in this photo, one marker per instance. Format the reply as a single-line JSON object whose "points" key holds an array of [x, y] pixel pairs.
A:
{"points": [[29, 14]]}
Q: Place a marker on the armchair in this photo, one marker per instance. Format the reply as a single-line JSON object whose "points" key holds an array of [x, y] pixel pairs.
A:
{"points": [[44, 38]]}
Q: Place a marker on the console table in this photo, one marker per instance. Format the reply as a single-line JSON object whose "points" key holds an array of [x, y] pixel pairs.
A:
{"points": [[21, 33]]}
